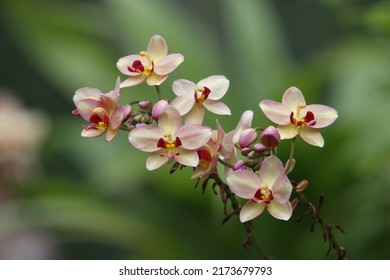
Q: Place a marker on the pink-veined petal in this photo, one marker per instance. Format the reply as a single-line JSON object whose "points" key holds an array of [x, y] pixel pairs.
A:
{"points": [[157, 48], [168, 63], [281, 189], [155, 160], [251, 210], [275, 111], [193, 136], [195, 115], [169, 120], [217, 84], [133, 81], [110, 133], [154, 80], [293, 98], [287, 131], [186, 157], [86, 92], [323, 115], [145, 137], [183, 103], [90, 133], [182, 87], [243, 183], [270, 170], [280, 211], [86, 106], [311, 136], [216, 107], [126, 62]]}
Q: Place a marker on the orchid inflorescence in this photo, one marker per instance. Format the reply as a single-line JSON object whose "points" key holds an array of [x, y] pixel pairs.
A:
{"points": [[251, 168]]}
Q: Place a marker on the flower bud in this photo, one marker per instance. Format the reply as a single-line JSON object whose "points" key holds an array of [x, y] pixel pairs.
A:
{"points": [[145, 105], [245, 151], [259, 148], [239, 165], [158, 108], [302, 185], [290, 165], [247, 137], [270, 137]]}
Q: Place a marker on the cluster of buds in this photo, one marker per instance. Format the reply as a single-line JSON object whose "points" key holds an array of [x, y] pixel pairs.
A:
{"points": [[175, 133]]}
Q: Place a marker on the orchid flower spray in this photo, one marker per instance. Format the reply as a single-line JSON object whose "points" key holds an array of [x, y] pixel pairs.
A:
{"points": [[242, 165]]}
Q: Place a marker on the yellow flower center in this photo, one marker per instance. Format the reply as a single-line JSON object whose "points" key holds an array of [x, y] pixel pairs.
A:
{"points": [[201, 94], [263, 194], [168, 143]]}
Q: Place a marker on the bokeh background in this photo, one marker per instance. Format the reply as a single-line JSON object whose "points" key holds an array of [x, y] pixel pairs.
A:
{"points": [[65, 197]]}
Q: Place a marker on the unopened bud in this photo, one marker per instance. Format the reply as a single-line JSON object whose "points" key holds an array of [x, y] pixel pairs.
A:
{"points": [[247, 137], [290, 164], [270, 137], [145, 105], [239, 165], [158, 108], [302, 185], [245, 151], [259, 148]]}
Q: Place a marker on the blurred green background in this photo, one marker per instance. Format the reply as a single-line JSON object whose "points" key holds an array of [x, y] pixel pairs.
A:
{"points": [[65, 197]]}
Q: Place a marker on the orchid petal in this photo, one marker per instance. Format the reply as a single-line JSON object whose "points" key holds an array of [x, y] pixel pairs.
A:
{"points": [[169, 120], [133, 81], [287, 131], [183, 87], [195, 115], [168, 63], [281, 189], [186, 157], [216, 107], [311, 136], [193, 136], [145, 138], [157, 47], [115, 93], [251, 210], [110, 133], [293, 98], [276, 111], [92, 132], [270, 170], [280, 211], [155, 160], [86, 106], [243, 183], [218, 85], [183, 103], [86, 92], [154, 80], [323, 115]]}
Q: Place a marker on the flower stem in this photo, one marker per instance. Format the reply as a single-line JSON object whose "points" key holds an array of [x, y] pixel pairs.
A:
{"points": [[225, 163], [158, 92], [292, 151]]}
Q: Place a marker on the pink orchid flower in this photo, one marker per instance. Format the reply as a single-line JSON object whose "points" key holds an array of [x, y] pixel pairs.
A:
{"points": [[152, 66], [170, 140], [294, 117], [191, 97], [208, 154], [101, 110], [270, 190]]}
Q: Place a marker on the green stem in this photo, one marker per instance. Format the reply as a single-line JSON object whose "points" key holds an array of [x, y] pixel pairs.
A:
{"points": [[225, 163], [158, 92], [292, 151]]}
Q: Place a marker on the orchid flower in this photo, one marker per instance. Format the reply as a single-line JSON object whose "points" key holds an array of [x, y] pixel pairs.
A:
{"points": [[294, 117], [208, 154], [101, 110], [270, 190], [170, 140], [191, 97], [152, 66]]}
